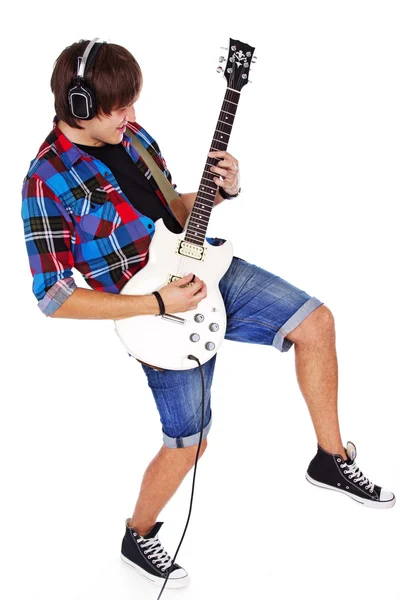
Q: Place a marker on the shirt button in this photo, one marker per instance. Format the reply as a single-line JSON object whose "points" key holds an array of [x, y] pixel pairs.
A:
{"points": [[106, 173]]}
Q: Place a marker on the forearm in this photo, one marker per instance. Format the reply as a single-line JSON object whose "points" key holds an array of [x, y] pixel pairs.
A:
{"points": [[93, 304], [182, 207]]}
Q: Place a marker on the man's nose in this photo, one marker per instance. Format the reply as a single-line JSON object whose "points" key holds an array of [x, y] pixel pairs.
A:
{"points": [[131, 113]]}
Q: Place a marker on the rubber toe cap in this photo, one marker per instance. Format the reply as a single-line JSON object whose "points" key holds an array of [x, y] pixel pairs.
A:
{"points": [[386, 496]]}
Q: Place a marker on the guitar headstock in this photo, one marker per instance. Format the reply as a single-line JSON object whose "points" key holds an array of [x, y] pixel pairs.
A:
{"points": [[238, 64]]}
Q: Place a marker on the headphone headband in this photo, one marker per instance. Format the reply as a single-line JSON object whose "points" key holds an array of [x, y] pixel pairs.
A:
{"points": [[82, 59]]}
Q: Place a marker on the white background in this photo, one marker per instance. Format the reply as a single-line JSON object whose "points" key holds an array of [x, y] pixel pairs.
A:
{"points": [[317, 136]]}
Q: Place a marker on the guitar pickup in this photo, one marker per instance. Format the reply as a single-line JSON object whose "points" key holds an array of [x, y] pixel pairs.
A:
{"points": [[191, 250]]}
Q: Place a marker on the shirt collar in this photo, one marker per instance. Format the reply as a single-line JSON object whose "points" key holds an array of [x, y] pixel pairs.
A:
{"points": [[67, 151]]}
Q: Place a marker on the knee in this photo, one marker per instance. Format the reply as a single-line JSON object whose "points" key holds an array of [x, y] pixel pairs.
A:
{"points": [[319, 324], [322, 317]]}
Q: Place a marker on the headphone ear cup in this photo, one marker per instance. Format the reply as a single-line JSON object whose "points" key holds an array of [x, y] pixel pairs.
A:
{"points": [[82, 102]]}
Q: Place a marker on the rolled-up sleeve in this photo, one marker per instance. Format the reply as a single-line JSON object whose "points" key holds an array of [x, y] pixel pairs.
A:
{"points": [[48, 236]]}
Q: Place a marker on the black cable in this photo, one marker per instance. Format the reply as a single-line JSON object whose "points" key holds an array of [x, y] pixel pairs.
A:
{"points": [[191, 357]]}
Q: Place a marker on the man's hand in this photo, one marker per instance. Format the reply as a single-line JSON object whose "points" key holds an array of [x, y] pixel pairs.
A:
{"points": [[228, 169], [183, 294]]}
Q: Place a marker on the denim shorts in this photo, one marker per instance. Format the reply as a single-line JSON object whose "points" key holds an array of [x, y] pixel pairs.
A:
{"points": [[261, 308]]}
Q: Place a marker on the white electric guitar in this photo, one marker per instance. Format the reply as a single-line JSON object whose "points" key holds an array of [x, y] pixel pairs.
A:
{"points": [[167, 340]]}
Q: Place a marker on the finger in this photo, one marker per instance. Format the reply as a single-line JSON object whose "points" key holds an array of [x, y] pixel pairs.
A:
{"points": [[201, 295], [186, 277], [195, 287], [182, 280], [229, 164], [219, 154], [226, 183], [223, 172], [202, 290]]}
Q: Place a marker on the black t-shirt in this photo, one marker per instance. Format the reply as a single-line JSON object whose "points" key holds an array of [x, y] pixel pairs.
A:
{"points": [[133, 183]]}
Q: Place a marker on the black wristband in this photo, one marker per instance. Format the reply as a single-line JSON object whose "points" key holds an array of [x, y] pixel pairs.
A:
{"points": [[225, 194], [160, 302]]}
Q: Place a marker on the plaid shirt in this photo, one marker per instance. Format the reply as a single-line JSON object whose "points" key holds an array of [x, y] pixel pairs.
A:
{"points": [[76, 216]]}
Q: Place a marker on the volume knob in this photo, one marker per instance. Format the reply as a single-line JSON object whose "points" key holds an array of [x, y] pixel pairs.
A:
{"points": [[199, 318], [210, 345], [194, 337], [214, 327]]}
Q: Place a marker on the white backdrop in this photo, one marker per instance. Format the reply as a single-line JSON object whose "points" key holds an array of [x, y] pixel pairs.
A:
{"points": [[317, 137]]}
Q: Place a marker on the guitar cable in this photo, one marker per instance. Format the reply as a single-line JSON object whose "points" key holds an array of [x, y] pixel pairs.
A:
{"points": [[191, 357]]}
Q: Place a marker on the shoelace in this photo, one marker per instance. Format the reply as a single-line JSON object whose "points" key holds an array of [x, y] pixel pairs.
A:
{"points": [[154, 546], [356, 474]]}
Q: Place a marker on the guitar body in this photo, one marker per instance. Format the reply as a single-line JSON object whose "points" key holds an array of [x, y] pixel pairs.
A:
{"points": [[166, 341]]}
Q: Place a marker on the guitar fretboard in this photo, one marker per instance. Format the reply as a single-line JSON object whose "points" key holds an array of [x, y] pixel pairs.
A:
{"points": [[201, 212]]}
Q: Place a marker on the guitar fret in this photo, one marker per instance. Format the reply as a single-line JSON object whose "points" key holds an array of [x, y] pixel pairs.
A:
{"points": [[207, 171], [201, 205], [201, 217], [229, 113], [205, 192], [198, 227], [205, 185], [196, 238], [224, 132], [204, 179], [225, 123]]}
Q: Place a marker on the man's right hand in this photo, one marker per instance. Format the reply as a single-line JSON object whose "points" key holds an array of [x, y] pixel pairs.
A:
{"points": [[181, 295]]}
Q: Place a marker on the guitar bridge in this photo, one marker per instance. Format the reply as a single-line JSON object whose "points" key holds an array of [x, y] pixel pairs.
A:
{"points": [[191, 250]]}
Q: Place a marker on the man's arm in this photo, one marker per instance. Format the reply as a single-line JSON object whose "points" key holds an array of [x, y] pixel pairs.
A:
{"points": [[48, 236], [182, 207], [93, 304]]}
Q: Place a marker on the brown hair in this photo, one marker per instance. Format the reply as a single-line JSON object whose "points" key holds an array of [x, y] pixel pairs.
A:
{"points": [[114, 76]]}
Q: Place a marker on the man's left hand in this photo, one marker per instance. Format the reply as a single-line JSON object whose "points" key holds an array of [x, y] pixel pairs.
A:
{"points": [[228, 169]]}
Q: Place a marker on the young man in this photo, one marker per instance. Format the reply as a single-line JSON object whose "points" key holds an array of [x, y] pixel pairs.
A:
{"points": [[89, 203]]}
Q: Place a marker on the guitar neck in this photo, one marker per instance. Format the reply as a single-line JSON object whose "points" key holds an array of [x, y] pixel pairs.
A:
{"points": [[202, 207]]}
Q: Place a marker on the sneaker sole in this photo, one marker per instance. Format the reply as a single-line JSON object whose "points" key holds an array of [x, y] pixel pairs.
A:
{"points": [[364, 501], [159, 581]]}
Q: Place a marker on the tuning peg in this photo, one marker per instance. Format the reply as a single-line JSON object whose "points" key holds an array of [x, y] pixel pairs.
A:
{"points": [[222, 48], [222, 58], [254, 59], [219, 70], [249, 81]]}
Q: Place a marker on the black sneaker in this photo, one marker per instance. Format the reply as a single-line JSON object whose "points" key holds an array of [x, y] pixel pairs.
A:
{"points": [[330, 471], [147, 556]]}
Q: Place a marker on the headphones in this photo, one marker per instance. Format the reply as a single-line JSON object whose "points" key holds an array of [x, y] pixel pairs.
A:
{"points": [[81, 99]]}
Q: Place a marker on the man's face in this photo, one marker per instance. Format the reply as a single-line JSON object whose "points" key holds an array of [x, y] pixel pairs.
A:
{"points": [[104, 129]]}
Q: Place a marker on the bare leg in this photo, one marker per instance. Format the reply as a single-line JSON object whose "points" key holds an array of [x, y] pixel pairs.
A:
{"points": [[317, 375], [161, 479]]}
